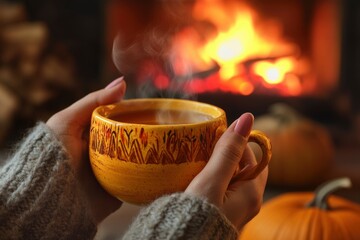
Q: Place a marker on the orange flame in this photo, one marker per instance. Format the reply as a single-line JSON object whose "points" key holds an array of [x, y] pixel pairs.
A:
{"points": [[251, 52]]}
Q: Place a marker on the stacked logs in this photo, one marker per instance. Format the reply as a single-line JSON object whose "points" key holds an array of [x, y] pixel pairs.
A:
{"points": [[35, 75]]}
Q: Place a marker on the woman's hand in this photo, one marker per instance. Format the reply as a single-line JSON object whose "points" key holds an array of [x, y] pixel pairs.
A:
{"points": [[72, 128], [239, 200]]}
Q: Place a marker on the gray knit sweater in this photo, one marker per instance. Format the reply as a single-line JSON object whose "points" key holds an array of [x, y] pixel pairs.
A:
{"points": [[40, 199]]}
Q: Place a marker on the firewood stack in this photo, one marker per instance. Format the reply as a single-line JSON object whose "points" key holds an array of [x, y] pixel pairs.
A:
{"points": [[36, 76]]}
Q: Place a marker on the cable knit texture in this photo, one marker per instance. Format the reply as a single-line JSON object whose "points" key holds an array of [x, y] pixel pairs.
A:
{"points": [[39, 198], [181, 216]]}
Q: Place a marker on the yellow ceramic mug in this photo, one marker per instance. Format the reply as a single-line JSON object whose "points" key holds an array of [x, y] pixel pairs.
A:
{"points": [[141, 149]]}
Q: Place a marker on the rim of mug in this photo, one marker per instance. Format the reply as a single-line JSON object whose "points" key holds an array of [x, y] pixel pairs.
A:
{"points": [[99, 111]]}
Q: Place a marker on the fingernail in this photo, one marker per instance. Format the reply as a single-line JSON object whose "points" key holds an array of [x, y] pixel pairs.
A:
{"points": [[114, 83], [244, 124]]}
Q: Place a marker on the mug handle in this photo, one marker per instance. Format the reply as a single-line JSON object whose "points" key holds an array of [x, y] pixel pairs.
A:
{"points": [[263, 141]]}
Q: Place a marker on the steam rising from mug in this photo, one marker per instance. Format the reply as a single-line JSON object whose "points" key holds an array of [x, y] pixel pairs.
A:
{"points": [[133, 62], [148, 60], [155, 62], [152, 61]]}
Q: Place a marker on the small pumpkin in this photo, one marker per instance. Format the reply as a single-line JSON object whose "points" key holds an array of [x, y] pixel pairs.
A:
{"points": [[302, 149], [307, 216]]}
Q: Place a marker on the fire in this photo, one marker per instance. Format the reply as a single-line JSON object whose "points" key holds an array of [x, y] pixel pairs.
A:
{"points": [[249, 52], [274, 72]]}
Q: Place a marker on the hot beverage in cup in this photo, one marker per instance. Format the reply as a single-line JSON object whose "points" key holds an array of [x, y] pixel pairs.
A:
{"points": [[161, 117]]}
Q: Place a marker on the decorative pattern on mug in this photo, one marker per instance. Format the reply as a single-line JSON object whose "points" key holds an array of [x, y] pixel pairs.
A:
{"points": [[137, 145]]}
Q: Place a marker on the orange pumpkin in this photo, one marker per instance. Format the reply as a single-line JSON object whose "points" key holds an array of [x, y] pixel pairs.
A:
{"points": [[302, 149], [301, 216]]}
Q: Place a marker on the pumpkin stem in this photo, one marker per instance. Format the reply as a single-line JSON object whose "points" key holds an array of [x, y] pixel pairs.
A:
{"points": [[284, 112], [324, 190]]}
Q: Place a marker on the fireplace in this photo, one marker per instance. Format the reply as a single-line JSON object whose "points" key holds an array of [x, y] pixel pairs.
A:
{"points": [[241, 47], [241, 55]]}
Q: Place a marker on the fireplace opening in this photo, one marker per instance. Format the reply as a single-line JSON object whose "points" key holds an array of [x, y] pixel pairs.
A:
{"points": [[240, 47], [241, 55]]}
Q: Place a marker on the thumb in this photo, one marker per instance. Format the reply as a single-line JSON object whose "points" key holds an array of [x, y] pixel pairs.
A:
{"points": [[228, 151]]}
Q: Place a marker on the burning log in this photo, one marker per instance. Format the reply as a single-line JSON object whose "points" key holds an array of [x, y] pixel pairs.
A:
{"points": [[201, 74]]}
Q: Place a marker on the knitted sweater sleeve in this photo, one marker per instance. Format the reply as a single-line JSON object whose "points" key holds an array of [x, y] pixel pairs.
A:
{"points": [[39, 198], [181, 216]]}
